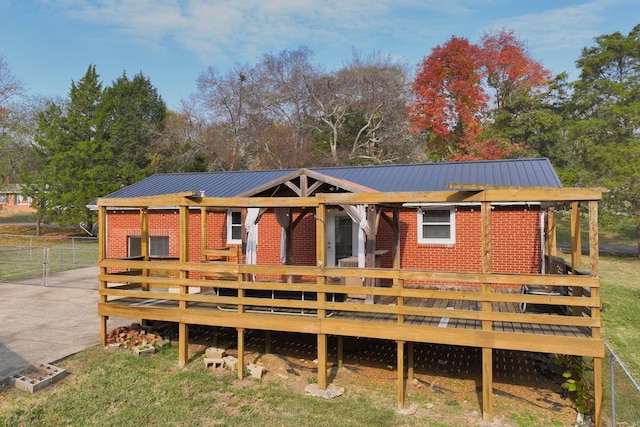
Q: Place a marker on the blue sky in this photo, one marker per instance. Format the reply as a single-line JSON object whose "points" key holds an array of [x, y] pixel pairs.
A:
{"points": [[49, 43]]}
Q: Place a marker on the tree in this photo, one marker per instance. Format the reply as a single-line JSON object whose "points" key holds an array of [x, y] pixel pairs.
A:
{"points": [[362, 111], [10, 85], [605, 132], [130, 115], [454, 103], [74, 160]]}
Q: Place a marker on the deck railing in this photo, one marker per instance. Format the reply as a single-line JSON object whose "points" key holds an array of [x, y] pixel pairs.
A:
{"points": [[228, 294]]}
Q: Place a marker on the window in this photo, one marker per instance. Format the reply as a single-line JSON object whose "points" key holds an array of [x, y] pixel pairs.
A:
{"points": [[158, 246], [234, 227], [436, 226]]}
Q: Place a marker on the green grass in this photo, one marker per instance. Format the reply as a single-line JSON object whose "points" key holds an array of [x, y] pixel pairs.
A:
{"points": [[117, 388], [612, 230]]}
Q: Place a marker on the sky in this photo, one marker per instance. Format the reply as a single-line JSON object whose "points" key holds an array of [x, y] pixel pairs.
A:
{"points": [[50, 43]]}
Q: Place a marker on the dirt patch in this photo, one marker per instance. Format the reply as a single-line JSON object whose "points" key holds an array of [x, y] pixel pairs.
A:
{"points": [[446, 387]]}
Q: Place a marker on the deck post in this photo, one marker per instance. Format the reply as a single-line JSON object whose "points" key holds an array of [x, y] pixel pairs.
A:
{"points": [[103, 330], [487, 384], [322, 361], [240, 353], [595, 312], [340, 351], [267, 342], [400, 362], [183, 344], [144, 242], [410, 361], [552, 232], [102, 254], [487, 325]]}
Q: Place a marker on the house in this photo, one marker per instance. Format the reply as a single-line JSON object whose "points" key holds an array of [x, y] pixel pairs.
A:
{"points": [[436, 236], [387, 252], [11, 199]]}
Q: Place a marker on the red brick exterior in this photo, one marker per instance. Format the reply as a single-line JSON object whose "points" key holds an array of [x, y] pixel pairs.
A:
{"points": [[515, 239]]}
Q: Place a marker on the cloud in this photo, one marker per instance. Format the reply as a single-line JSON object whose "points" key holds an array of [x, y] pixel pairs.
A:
{"points": [[248, 28], [562, 27]]}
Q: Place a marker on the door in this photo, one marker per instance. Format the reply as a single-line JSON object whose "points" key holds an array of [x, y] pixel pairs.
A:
{"points": [[342, 237]]}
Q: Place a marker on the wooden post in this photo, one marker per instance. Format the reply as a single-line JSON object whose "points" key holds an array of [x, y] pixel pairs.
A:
{"points": [[103, 330], [321, 254], [576, 241], [400, 386], [183, 328], [576, 252], [487, 384], [102, 254], [595, 312], [144, 242], [322, 361], [552, 233], [240, 366], [487, 325], [267, 342], [340, 351], [183, 344], [410, 362]]}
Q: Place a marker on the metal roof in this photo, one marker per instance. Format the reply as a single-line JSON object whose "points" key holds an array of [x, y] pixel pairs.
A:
{"points": [[385, 178]]}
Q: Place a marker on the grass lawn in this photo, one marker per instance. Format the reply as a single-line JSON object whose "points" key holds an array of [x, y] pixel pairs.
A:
{"points": [[116, 388]]}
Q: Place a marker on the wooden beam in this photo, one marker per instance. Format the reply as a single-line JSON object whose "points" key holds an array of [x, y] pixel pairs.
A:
{"points": [[552, 233], [487, 384], [183, 344], [322, 361], [597, 391], [576, 241], [410, 361], [487, 353], [267, 342], [144, 241], [102, 254], [240, 366], [340, 351], [400, 371]]}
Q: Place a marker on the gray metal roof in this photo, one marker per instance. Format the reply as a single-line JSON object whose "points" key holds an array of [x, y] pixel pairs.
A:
{"points": [[385, 178]]}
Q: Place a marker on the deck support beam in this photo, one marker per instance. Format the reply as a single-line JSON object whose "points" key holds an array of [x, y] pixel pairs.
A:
{"points": [[267, 342], [487, 384], [400, 362], [183, 344], [240, 366], [340, 351], [322, 361], [103, 330], [410, 362]]}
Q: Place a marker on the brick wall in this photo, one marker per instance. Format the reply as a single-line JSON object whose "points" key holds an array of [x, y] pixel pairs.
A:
{"points": [[515, 239]]}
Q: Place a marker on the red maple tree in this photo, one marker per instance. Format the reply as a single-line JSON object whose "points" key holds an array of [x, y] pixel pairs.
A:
{"points": [[460, 84]]}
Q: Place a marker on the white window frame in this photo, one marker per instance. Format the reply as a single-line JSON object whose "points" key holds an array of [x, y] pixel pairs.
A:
{"points": [[452, 226], [231, 225]]}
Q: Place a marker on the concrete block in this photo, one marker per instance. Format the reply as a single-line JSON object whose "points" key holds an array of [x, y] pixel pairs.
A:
{"points": [[255, 371], [35, 379], [144, 350], [214, 352], [230, 362], [215, 362]]}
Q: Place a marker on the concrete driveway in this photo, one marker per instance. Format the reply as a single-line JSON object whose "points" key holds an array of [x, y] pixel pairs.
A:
{"points": [[43, 324]]}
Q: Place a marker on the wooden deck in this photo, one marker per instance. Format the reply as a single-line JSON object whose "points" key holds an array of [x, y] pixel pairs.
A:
{"points": [[434, 307]]}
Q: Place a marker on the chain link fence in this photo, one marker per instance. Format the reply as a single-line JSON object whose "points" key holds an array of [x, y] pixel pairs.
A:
{"points": [[621, 393], [29, 257]]}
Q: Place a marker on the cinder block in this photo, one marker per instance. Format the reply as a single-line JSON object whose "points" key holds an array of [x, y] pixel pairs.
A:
{"points": [[33, 381], [214, 352], [255, 371], [215, 362], [230, 362]]}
